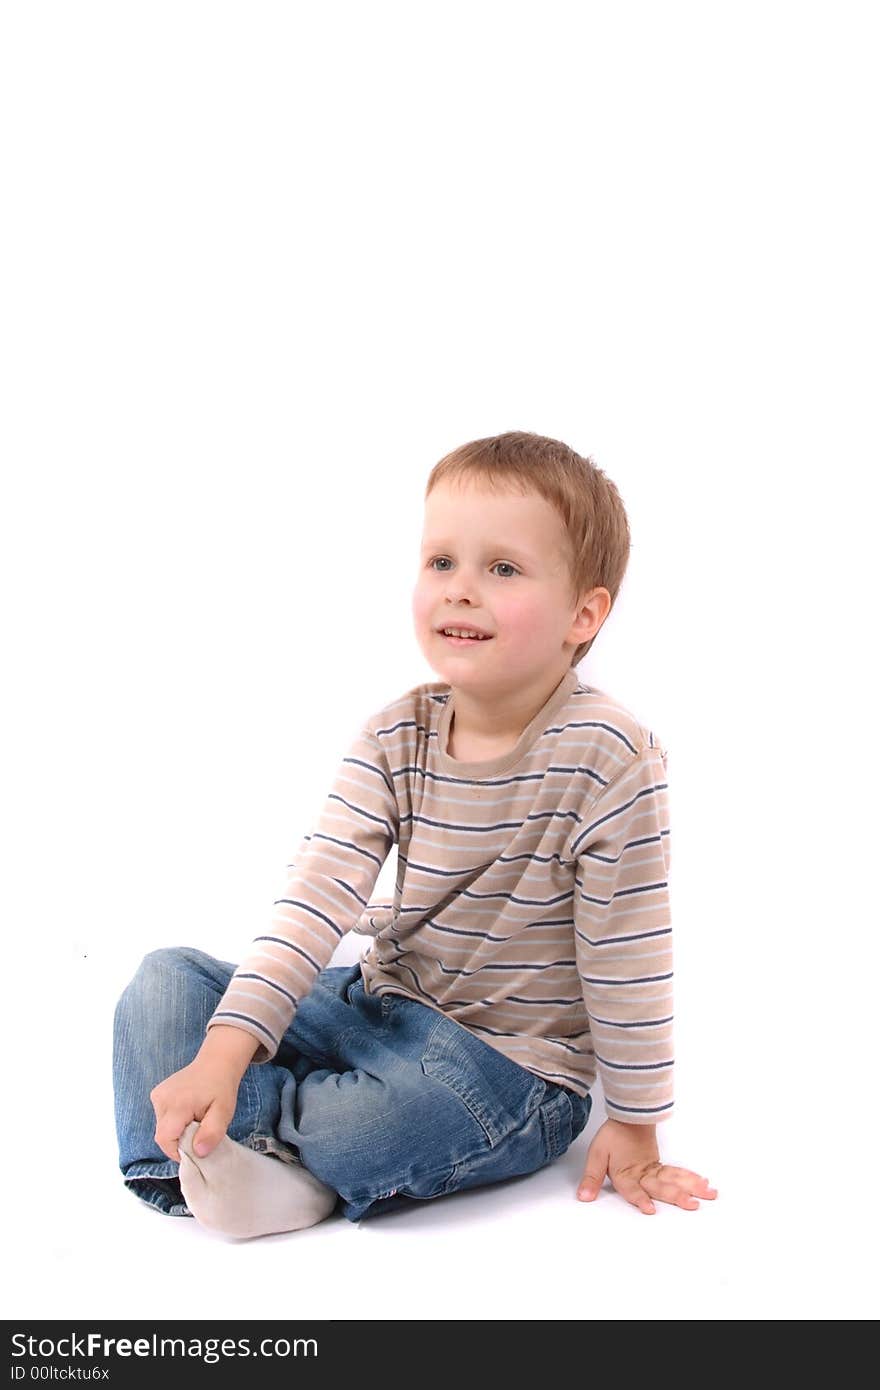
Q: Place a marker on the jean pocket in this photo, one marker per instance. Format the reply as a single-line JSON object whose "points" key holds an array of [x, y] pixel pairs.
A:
{"points": [[495, 1091]]}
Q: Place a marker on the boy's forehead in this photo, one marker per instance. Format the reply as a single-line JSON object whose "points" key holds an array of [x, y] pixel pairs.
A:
{"points": [[494, 517]]}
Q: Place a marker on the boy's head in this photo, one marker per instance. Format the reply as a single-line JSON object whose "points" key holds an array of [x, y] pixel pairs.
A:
{"points": [[524, 540]]}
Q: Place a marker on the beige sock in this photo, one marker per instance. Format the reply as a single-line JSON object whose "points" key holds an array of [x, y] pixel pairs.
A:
{"points": [[239, 1192]]}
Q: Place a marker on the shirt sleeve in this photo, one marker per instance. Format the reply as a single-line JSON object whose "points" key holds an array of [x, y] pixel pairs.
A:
{"points": [[623, 938], [327, 891], [377, 916]]}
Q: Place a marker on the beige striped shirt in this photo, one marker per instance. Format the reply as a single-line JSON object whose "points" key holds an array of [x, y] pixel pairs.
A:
{"points": [[531, 901]]}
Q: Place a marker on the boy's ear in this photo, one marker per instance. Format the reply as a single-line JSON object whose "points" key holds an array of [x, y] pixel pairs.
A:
{"points": [[593, 608]]}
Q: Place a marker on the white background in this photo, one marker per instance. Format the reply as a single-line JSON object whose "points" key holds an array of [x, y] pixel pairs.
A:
{"points": [[263, 265]]}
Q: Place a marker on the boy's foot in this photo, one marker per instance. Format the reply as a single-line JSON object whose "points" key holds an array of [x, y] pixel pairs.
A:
{"points": [[239, 1192]]}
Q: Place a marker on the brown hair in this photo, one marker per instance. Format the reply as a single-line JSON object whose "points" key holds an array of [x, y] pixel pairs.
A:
{"points": [[586, 500]]}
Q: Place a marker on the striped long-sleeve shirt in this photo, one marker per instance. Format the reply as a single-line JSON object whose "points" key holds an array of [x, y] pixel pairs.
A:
{"points": [[531, 901]]}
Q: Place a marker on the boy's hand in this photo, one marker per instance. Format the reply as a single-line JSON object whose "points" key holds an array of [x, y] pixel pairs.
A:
{"points": [[628, 1154], [206, 1090], [202, 1091]]}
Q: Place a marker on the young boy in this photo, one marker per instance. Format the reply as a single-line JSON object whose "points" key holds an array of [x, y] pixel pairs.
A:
{"points": [[528, 944]]}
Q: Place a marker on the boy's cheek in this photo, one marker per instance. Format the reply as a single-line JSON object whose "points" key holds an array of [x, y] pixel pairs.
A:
{"points": [[422, 608], [521, 627], [428, 600]]}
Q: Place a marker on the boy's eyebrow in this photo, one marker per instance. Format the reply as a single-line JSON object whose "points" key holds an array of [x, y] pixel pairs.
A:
{"points": [[498, 548]]}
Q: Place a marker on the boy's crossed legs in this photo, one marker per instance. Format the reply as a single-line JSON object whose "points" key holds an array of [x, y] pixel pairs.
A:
{"points": [[371, 1102]]}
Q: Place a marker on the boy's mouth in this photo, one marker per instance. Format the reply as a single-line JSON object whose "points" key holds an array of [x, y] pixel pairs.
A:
{"points": [[462, 637]]}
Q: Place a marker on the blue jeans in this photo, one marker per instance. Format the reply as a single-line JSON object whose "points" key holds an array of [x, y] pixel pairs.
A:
{"points": [[384, 1099]]}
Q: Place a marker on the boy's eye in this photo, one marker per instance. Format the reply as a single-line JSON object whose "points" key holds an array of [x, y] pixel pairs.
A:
{"points": [[505, 564]]}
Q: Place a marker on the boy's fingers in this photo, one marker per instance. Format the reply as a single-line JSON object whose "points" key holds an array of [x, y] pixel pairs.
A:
{"points": [[686, 1177], [213, 1127], [694, 1183], [168, 1131], [170, 1124], [632, 1190], [671, 1184], [167, 1143]]}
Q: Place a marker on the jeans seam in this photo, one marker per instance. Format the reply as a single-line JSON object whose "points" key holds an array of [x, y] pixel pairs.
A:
{"points": [[438, 1061], [552, 1121]]}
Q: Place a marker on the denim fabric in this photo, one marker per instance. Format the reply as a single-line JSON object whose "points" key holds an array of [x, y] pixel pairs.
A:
{"points": [[385, 1099]]}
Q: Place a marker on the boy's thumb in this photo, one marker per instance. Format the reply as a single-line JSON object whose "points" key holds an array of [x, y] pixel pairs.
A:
{"points": [[589, 1186], [210, 1131]]}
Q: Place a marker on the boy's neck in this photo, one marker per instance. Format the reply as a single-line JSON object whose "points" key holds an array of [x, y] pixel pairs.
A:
{"points": [[494, 725]]}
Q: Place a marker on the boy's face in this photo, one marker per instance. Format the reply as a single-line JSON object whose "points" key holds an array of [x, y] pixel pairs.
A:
{"points": [[498, 561]]}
